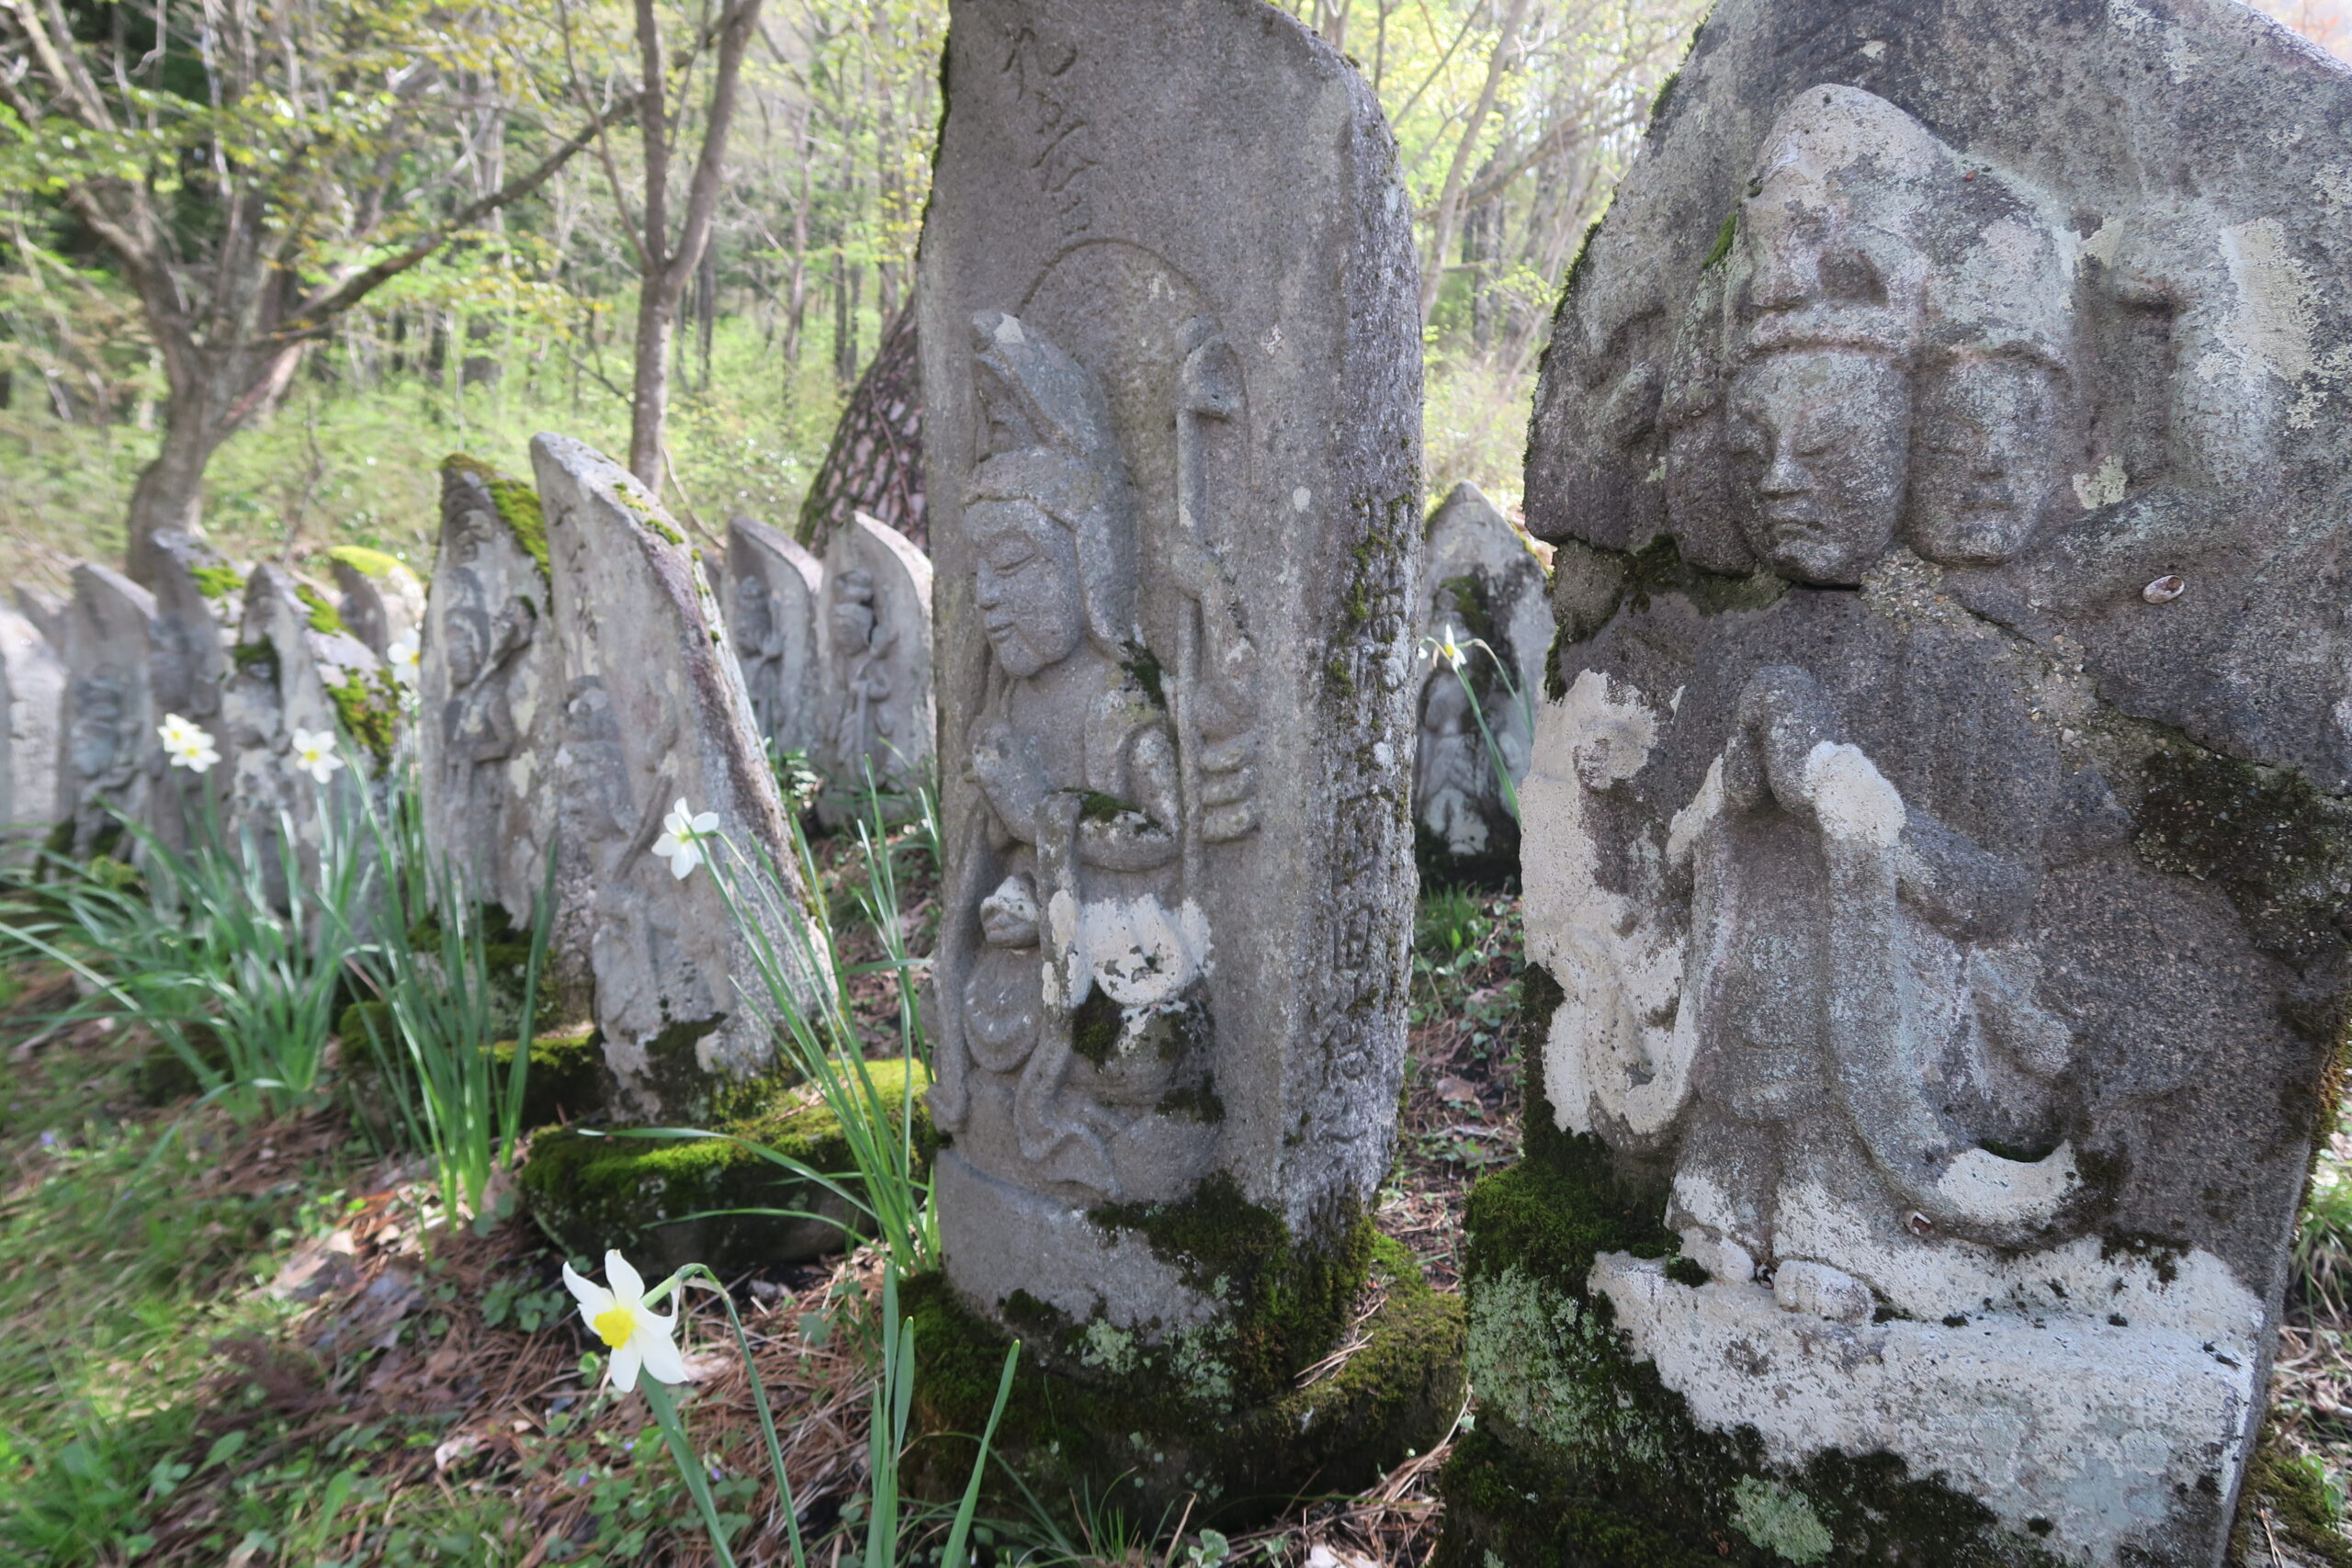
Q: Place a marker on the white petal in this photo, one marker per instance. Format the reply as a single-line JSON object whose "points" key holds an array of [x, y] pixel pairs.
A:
{"points": [[682, 865], [593, 1297], [706, 823], [680, 811], [662, 1359], [625, 1363], [629, 1285], [667, 845]]}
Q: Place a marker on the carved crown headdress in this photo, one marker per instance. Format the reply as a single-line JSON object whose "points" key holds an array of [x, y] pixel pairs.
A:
{"points": [[1047, 439]]}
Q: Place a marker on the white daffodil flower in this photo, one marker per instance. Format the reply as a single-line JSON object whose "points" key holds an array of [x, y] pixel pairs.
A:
{"points": [[1448, 649], [406, 657], [636, 1337], [314, 753], [188, 745], [682, 835]]}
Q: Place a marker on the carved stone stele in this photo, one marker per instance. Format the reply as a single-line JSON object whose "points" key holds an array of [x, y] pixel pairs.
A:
{"points": [[200, 599], [1172, 376], [383, 600], [32, 693], [1932, 838], [489, 715], [109, 758], [295, 669], [775, 608], [654, 710], [878, 714], [1482, 588]]}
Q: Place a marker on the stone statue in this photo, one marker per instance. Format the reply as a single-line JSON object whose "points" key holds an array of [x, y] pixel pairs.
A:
{"points": [[382, 600], [653, 711], [296, 672], [1480, 585], [1089, 941], [199, 596], [489, 686], [778, 589], [108, 758], [1891, 813], [1170, 434], [32, 691], [880, 711]]}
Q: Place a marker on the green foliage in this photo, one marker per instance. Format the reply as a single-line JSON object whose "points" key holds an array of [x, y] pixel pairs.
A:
{"points": [[458, 1099], [326, 619], [234, 960]]}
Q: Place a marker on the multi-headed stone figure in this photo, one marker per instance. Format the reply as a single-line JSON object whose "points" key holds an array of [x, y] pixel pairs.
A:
{"points": [[1944, 669]]}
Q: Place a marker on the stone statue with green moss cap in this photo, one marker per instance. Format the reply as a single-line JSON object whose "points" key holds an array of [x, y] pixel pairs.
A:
{"points": [[1173, 438], [652, 710]]}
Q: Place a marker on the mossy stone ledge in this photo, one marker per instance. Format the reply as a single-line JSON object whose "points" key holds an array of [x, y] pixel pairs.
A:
{"points": [[1142, 1432], [663, 1201]]}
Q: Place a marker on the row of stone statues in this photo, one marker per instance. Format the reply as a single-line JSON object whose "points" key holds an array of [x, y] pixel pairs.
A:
{"points": [[256, 660]]}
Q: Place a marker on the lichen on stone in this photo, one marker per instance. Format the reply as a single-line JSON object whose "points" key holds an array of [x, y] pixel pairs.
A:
{"points": [[326, 619], [365, 562]]}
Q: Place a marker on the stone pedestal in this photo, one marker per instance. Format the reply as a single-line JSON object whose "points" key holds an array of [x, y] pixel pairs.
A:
{"points": [[1172, 373], [1929, 832]]}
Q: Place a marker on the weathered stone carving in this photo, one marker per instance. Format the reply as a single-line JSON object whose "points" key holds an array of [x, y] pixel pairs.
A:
{"points": [[879, 714], [1479, 584], [489, 715], [1897, 831], [32, 693], [45, 609], [1172, 441], [200, 599], [383, 600], [771, 620], [654, 712], [297, 672], [108, 760]]}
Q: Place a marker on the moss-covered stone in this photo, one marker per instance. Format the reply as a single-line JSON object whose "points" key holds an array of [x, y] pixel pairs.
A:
{"points": [[369, 706], [1583, 1457], [1115, 1439], [566, 1081], [365, 561], [326, 619], [215, 582], [517, 504], [598, 1190], [2285, 1498]]}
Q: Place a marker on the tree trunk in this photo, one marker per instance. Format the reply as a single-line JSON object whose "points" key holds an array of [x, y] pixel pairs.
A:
{"points": [[171, 488], [649, 390]]}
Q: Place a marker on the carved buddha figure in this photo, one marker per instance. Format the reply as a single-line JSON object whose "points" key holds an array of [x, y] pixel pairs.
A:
{"points": [[1856, 1016], [864, 641], [1081, 992]]}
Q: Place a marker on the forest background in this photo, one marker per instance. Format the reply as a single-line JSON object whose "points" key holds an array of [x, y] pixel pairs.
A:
{"points": [[363, 128]]}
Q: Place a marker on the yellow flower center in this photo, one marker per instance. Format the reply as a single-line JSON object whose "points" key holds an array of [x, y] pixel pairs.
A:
{"points": [[615, 1324]]}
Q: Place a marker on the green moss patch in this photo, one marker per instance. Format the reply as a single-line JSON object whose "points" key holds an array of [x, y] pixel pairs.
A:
{"points": [[326, 619], [1111, 1441], [2286, 1498], [215, 582], [518, 506], [1582, 1456], [566, 1082], [370, 705], [365, 561], [597, 1191]]}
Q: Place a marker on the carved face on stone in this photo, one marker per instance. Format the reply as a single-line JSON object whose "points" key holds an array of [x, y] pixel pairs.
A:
{"points": [[1984, 459], [1026, 585], [1818, 439]]}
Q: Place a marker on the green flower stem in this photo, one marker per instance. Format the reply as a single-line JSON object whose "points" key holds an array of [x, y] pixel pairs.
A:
{"points": [[664, 1406]]}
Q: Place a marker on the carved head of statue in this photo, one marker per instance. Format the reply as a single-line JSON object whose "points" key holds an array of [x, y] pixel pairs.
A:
{"points": [[1985, 465], [1048, 510], [854, 608]]}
